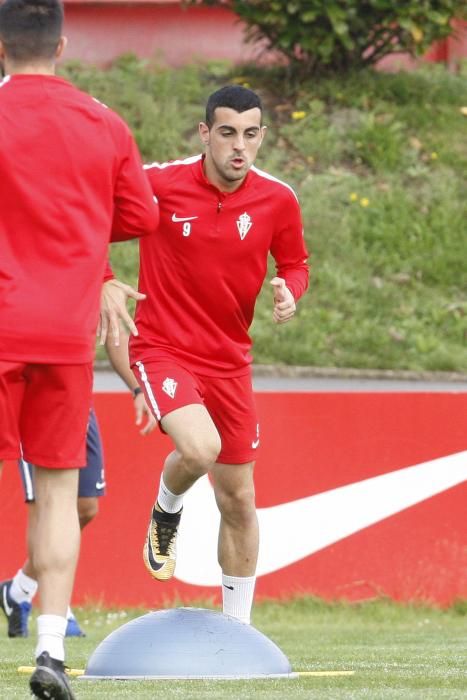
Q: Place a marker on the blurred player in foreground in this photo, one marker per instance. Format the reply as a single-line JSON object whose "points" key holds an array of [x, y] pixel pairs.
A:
{"points": [[71, 182]]}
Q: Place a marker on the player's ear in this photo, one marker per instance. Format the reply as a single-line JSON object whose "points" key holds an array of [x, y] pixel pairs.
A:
{"points": [[2, 52], [203, 130], [61, 46], [263, 133]]}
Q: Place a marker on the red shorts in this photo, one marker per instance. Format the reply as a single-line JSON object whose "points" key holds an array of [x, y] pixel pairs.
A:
{"points": [[229, 402], [44, 412]]}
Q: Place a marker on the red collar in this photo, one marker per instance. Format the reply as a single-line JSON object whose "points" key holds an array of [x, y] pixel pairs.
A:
{"points": [[200, 176]]}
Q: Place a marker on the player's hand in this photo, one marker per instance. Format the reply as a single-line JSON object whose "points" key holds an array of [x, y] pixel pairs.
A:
{"points": [[284, 303], [142, 411], [114, 297]]}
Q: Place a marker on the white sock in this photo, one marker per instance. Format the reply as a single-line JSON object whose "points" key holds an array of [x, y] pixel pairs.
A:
{"points": [[237, 596], [168, 501], [50, 635], [23, 588], [69, 614]]}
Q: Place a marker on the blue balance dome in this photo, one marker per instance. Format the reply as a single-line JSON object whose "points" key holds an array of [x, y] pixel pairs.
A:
{"points": [[186, 643]]}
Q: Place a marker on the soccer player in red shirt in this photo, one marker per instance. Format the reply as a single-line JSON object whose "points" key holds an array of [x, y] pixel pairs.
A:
{"points": [[71, 181], [16, 594], [202, 273]]}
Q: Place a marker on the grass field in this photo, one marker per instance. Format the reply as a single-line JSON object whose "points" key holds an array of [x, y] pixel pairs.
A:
{"points": [[378, 162], [396, 652]]}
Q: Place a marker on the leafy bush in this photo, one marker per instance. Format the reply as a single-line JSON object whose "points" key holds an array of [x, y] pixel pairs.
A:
{"points": [[344, 34]]}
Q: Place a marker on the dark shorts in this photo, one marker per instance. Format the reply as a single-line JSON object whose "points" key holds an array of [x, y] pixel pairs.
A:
{"points": [[91, 477]]}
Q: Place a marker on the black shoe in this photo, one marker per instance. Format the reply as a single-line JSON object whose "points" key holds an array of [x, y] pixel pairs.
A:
{"points": [[160, 550], [17, 614], [49, 680]]}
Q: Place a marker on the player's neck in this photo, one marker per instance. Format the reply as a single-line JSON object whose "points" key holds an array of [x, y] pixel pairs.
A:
{"points": [[12, 68], [215, 178]]}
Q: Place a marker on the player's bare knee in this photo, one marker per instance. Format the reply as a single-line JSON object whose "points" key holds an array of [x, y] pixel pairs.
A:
{"points": [[237, 507], [199, 457], [199, 460]]}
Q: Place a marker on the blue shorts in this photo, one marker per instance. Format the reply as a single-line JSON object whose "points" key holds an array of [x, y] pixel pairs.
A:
{"points": [[91, 477]]}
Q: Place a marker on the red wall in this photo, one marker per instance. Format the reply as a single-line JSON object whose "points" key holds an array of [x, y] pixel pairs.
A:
{"points": [[311, 443], [98, 31]]}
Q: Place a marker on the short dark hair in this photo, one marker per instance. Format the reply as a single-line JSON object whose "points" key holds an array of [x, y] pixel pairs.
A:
{"points": [[30, 29], [235, 97]]}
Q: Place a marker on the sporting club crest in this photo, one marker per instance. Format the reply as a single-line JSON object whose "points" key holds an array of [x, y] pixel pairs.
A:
{"points": [[244, 223], [169, 386]]}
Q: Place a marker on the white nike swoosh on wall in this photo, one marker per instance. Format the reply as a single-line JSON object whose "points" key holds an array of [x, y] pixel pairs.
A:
{"points": [[316, 521]]}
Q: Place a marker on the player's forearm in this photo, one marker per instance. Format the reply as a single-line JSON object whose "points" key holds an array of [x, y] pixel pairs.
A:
{"points": [[291, 255], [118, 356], [136, 211], [296, 278]]}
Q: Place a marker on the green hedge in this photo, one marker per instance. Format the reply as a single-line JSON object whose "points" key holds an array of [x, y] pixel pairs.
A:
{"points": [[340, 35]]}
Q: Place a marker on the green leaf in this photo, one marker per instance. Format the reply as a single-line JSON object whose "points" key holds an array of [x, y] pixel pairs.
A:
{"points": [[308, 16], [292, 8]]}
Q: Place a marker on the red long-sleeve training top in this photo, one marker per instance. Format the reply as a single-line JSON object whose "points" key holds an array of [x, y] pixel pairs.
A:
{"points": [[203, 269], [71, 180]]}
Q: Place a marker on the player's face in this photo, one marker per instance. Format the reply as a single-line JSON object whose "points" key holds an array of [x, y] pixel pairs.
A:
{"points": [[231, 143]]}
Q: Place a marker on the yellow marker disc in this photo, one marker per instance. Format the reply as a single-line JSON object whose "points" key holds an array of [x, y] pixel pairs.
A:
{"points": [[325, 673], [69, 671], [80, 672]]}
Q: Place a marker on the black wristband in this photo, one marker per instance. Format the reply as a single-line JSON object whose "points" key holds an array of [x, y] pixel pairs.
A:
{"points": [[136, 391]]}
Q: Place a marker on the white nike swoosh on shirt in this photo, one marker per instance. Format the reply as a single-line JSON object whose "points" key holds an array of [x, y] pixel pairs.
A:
{"points": [[176, 218], [255, 444], [316, 521]]}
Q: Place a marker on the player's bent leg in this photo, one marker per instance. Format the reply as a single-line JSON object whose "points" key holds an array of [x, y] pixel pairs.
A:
{"points": [[197, 444], [238, 537], [16, 594], [88, 508], [239, 533]]}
